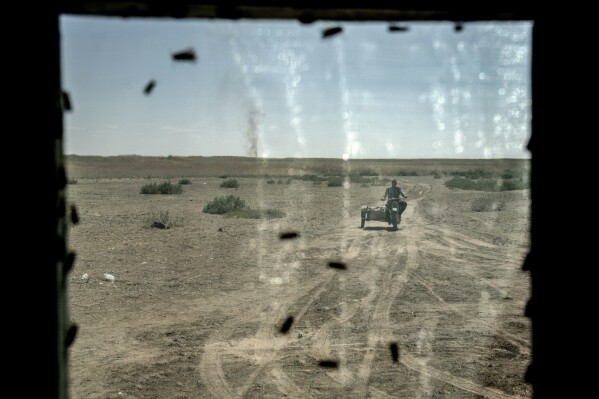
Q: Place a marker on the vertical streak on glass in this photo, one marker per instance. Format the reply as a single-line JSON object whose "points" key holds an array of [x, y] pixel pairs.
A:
{"points": [[254, 113], [292, 82]]}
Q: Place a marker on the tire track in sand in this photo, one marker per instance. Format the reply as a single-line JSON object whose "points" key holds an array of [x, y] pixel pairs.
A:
{"points": [[263, 348], [417, 365], [380, 325], [409, 360], [267, 354], [512, 338]]}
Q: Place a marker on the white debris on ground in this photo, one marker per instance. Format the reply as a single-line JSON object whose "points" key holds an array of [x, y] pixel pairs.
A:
{"points": [[108, 277], [85, 277]]}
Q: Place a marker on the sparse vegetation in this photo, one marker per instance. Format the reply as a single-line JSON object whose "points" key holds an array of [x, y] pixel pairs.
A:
{"points": [[513, 174], [232, 206], [221, 205], [329, 171], [358, 178], [513, 184], [317, 182], [223, 176], [184, 181], [437, 174], [161, 220], [407, 173], [281, 181], [368, 172], [364, 185], [230, 183], [486, 184], [309, 178], [256, 214], [335, 181], [162, 188], [474, 174], [485, 205]]}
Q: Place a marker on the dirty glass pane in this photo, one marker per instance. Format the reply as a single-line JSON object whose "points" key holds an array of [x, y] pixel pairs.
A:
{"points": [[233, 240]]}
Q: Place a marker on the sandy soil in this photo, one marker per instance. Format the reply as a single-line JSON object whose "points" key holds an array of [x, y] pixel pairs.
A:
{"points": [[195, 311]]}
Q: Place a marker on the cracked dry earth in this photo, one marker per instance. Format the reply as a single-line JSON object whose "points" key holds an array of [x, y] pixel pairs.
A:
{"points": [[195, 310]]}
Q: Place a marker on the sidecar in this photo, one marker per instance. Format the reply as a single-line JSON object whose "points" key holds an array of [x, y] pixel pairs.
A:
{"points": [[373, 214], [379, 213]]}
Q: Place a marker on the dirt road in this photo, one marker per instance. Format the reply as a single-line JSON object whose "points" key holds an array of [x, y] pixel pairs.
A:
{"points": [[195, 311]]}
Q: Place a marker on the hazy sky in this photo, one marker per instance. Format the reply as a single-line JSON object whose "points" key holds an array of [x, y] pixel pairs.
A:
{"points": [[277, 89]]}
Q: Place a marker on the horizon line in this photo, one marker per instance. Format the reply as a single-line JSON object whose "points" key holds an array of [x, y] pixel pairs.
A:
{"points": [[283, 158]]}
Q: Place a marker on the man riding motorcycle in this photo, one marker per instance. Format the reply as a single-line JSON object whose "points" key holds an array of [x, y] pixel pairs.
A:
{"points": [[394, 193]]}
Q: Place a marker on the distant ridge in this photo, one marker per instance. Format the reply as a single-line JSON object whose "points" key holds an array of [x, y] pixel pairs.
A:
{"points": [[138, 166]]}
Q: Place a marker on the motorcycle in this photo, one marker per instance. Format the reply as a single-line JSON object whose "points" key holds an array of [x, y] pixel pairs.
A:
{"points": [[390, 212]]}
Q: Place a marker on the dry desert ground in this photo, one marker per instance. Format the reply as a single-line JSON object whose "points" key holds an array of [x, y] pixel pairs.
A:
{"points": [[195, 311]]}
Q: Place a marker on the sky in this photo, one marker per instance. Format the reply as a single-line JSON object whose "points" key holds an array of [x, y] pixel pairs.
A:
{"points": [[268, 88]]}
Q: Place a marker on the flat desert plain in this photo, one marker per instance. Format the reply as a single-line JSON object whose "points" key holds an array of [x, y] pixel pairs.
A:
{"points": [[196, 311]]}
